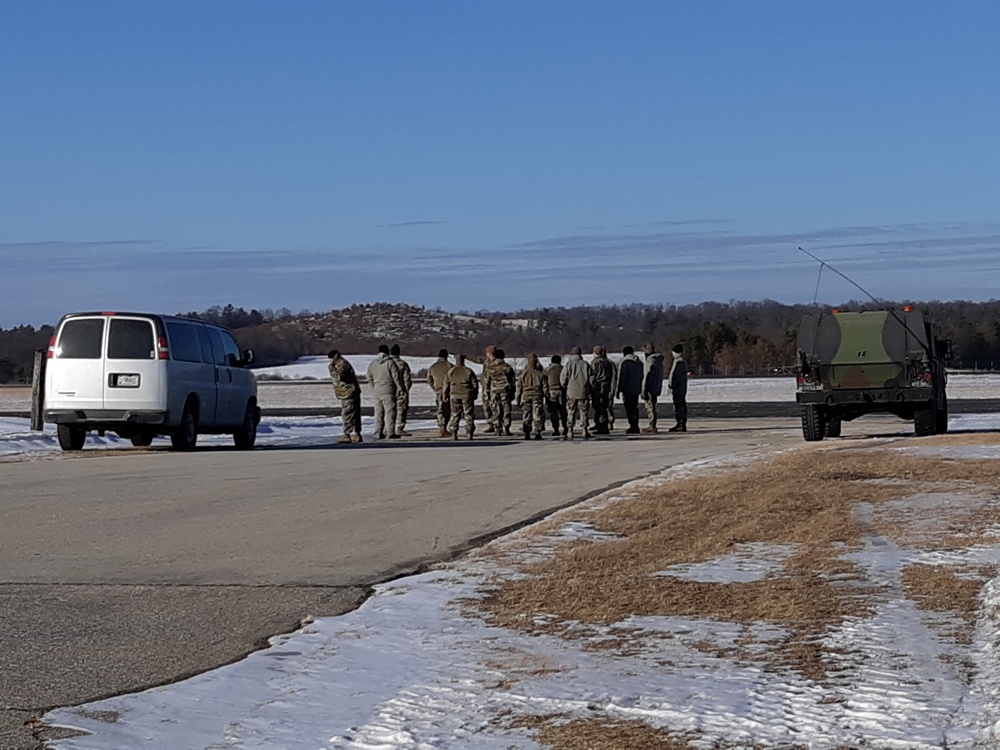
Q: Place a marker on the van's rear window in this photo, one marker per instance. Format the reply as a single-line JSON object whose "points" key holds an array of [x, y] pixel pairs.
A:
{"points": [[131, 339], [81, 339]]}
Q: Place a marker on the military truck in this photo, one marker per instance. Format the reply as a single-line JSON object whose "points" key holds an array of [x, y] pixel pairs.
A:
{"points": [[855, 363]]}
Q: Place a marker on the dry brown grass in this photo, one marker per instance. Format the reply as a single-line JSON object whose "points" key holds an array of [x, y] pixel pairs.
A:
{"points": [[952, 590], [600, 734], [804, 498]]}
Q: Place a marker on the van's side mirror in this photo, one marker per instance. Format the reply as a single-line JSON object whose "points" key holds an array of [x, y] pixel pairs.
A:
{"points": [[248, 357], [231, 360]]}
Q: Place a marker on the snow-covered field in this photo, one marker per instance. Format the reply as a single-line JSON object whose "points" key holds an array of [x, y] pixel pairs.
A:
{"points": [[409, 669]]}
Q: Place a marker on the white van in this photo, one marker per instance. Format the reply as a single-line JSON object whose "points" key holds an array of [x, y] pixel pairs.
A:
{"points": [[142, 375]]}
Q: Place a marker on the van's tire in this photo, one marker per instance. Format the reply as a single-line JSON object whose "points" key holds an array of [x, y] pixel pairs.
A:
{"points": [[185, 437], [246, 435], [142, 439], [812, 423], [832, 427], [941, 419], [71, 438], [925, 421]]}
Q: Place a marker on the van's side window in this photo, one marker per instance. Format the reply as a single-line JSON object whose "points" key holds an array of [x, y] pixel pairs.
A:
{"points": [[131, 339], [229, 344], [206, 345], [219, 352], [184, 344], [81, 339]]}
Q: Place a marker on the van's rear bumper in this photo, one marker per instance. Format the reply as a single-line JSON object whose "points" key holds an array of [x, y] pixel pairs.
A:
{"points": [[103, 417]]}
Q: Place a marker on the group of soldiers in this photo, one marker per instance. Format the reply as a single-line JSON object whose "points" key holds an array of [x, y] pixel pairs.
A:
{"points": [[565, 392]]}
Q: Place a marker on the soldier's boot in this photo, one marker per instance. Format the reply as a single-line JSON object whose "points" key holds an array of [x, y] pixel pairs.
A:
{"points": [[357, 438], [676, 428], [538, 436], [490, 429], [650, 429], [394, 436], [472, 431], [445, 433], [506, 431], [345, 438], [527, 433], [454, 435], [404, 433], [586, 433]]}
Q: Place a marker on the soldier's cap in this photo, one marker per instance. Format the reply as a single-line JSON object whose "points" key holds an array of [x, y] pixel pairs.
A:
{"points": [[491, 349], [383, 349], [598, 350], [628, 350], [443, 353], [576, 350], [556, 359], [500, 354], [460, 358], [678, 348], [648, 348], [333, 354], [395, 351]]}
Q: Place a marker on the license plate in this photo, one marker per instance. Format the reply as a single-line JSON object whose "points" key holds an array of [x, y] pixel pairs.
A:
{"points": [[127, 381]]}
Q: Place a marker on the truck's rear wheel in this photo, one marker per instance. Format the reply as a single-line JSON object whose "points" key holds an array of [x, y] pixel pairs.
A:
{"points": [[812, 423], [941, 419], [925, 421], [185, 436], [831, 427], [246, 435], [71, 438]]}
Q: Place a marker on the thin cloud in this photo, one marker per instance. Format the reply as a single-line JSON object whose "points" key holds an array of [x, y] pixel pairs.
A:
{"points": [[410, 224]]}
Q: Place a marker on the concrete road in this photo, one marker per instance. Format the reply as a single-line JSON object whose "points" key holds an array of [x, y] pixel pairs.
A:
{"points": [[123, 569]]}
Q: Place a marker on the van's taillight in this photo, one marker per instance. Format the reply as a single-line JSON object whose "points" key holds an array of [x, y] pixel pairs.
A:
{"points": [[162, 351], [52, 348]]}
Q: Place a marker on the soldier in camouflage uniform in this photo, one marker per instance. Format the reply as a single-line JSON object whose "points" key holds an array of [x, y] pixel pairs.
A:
{"points": [[348, 390], [402, 395], [531, 398], [652, 384], [501, 385], [605, 387], [555, 396], [487, 362], [461, 388], [437, 378]]}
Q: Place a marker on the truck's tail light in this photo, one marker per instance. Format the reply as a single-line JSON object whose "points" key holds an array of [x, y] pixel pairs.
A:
{"points": [[162, 350], [52, 348]]}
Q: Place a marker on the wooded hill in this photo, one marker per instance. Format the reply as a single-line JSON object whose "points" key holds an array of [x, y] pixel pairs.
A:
{"points": [[734, 338]]}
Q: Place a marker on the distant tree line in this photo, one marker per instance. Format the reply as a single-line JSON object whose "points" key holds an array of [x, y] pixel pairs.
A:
{"points": [[719, 338]]}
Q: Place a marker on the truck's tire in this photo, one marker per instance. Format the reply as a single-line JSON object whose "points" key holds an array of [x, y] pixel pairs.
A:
{"points": [[185, 437], [941, 419], [831, 427], [142, 439], [925, 421], [71, 438], [812, 423], [246, 435]]}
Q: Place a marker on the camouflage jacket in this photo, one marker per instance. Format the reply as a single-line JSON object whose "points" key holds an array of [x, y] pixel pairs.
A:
{"points": [[530, 384], [501, 379], [461, 383], [437, 375], [405, 372], [605, 375], [345, 381]]}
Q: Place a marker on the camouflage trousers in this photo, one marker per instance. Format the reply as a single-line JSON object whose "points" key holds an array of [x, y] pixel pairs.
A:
{"points": [[557, 412], [350, 413], [463, 408], [533, 414], [578, 408], [385, 415], [402, 409], [602, 406], [651, 410], [501, 412], [443, 409]]}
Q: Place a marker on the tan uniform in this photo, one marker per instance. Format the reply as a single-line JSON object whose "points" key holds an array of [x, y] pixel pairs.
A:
{"points": [[531, 399], [437, 378], [462, 389], [555, 397], [403, 395]]}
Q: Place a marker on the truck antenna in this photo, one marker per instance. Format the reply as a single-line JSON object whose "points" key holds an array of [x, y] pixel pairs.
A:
{"points": [[823, 264]]}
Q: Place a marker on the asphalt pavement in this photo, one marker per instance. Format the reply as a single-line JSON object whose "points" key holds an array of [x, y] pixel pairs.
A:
{"points": [[128, 568]]}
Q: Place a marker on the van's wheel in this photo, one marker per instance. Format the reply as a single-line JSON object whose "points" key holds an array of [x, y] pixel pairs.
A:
{"points": [[941, 419], [925, 421], [831, 427], [185, 436], [71, 438], [142, 439], [246, 435], [812, 423]]}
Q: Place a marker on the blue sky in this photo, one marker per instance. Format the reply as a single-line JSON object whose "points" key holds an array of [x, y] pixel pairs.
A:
{"points": [[309, 155]]}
